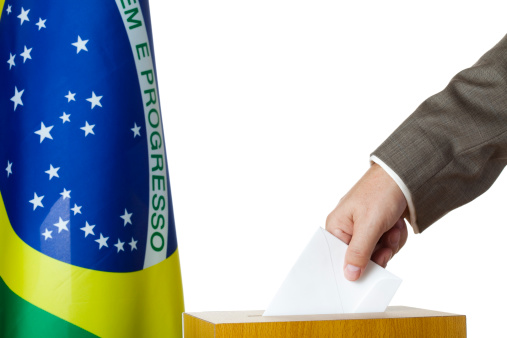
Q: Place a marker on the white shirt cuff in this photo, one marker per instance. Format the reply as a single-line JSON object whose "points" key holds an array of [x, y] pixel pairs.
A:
{"points": [[403, 188]]}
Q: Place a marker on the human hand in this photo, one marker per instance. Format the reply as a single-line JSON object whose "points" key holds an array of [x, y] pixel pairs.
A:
{"points": [[369, 218]]}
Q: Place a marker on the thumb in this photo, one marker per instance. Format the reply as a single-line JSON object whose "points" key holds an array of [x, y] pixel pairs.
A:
{"points": [[359, 252]]}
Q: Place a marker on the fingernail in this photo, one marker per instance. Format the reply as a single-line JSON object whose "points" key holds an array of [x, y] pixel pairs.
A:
{"points": [[352, 272], [394, 239], [337, 232]]}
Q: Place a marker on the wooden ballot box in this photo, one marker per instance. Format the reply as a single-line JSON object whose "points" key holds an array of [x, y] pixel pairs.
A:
{"points": [[396, 321]]}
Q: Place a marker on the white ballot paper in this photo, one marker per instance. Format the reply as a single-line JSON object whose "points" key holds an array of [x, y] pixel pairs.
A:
{"points": [[316, 284]]}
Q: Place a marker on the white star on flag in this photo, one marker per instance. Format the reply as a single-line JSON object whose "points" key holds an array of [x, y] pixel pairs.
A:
{"points": [[65, 193], [37, 201], [44, 132], [17, 98], [76, 209], [136, 130], [95, 100], [133, 244], [11, 61], [26, 54], [47, 234], [9, 9], [24, 15], [88, 229], [126, 218], [71, 96], [52, 172], [102, 241], [9, 168], [65, 117], [88, 129], [41, 23], [119, 246], [61, 225], [80, 44]]}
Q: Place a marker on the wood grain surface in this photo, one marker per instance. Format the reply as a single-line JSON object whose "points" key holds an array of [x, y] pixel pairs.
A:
{"points": [[395, 322]]}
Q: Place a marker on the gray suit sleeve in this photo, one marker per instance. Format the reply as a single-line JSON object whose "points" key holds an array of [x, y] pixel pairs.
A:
{"points": [[454, 146]]}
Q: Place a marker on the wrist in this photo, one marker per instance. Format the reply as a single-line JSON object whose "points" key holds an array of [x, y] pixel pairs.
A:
{"points": [[393, 194], [409, 212]]}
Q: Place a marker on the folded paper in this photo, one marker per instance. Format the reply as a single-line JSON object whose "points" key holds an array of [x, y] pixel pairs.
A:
{"points": [[316, 284]]}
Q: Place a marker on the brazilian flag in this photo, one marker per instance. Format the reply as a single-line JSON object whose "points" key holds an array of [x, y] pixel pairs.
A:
{"points": [[87, 237]]}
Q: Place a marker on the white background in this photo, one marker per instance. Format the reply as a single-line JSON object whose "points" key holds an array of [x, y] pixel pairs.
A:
{"points": [[271, 110]]}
